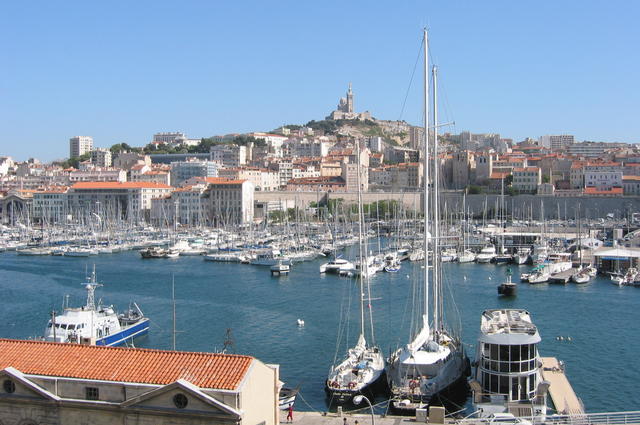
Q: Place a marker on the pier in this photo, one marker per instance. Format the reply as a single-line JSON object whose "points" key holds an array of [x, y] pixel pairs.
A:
{"points": [[563, 277], [564, 398]]}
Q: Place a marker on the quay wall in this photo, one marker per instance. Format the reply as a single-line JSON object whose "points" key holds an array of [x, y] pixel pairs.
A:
{"points": [[536, 207]]}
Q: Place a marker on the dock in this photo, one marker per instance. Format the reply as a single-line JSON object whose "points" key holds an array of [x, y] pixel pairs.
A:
{"points": [[562, 395], [563, 277]]}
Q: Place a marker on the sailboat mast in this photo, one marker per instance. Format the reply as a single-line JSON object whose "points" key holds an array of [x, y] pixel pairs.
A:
{"points": [[363, 261], [425, 169], [437, 313]]}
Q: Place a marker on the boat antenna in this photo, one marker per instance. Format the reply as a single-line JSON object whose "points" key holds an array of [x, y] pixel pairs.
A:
{"points": [[228, 340]]}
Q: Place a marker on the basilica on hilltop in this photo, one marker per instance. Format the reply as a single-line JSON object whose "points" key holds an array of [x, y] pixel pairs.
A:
{"points": [[345, 109]]}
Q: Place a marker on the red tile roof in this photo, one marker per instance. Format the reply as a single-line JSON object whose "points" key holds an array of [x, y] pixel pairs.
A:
{"points": [[631, 178], [526, 169], [222, 180], [595, 191], [206, 370], [119, 185]]}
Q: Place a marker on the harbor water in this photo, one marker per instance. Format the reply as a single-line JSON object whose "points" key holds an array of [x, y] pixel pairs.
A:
{"points": [[262, 312]]}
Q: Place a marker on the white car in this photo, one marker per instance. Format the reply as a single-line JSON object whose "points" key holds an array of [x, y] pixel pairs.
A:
{"points": [[506, 419]]}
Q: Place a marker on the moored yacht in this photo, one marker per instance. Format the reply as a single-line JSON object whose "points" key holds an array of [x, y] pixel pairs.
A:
{"points": [[487, 253], [507, 376], [96, 324], [337, 266]]}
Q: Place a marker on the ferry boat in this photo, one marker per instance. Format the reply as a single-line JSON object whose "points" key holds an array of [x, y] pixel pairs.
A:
{"points": [[507, 377], [96, 324]]}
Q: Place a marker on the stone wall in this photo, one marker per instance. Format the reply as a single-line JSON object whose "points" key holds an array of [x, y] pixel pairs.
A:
{"points": [[523, 206]]}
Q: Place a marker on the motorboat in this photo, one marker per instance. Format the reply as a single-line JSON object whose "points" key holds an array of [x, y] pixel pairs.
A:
{"points": [[337, 266], [486, 254], [96, 324], [466, 256], [521, 256], [513, 383]]}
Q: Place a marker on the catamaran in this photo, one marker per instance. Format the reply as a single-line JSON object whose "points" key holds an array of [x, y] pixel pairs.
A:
{"points": [[434, 361]]}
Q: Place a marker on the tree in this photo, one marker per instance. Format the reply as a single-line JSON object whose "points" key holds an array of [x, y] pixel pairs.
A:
{"points": [[545, 179]]}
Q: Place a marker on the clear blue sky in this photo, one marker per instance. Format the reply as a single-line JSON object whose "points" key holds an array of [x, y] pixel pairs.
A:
{"points": [[123, 70]]}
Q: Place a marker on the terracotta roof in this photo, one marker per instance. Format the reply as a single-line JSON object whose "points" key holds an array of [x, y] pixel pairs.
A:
{"points": [[499, 175], [595, 191], [222, 180], [631, 178], [526, 169], [119, 185], [206, 370]]}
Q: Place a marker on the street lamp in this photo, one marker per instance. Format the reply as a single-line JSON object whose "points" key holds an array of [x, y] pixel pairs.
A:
{"points": [[358, 399]]}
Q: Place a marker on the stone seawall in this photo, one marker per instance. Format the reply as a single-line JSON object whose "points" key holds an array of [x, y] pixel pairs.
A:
{"points": [[522, 206]]}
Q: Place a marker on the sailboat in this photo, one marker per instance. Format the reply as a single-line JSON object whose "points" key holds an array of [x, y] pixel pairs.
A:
{"points": [[364, 365], [434, 361]]}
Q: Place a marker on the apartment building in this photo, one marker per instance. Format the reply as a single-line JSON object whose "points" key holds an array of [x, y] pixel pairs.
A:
{"points": [[182, 171], [50, 205], [526, 179], [228, 202], [101, 157], [79, 145]]}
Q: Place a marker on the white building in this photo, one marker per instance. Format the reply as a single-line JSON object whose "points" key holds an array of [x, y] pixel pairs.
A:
{"points": [[79, 145], [556, 142], [5, 164], [631, 185], [98, 175], [526, 179], [603, 180], [186, 200], [101, 157], [229, 155], [168, 137], [228, 202]]}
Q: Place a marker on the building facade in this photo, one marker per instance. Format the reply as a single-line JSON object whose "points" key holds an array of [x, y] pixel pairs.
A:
{"points": [[79, 145], [228, 202], [42, 384], [182, 171]]}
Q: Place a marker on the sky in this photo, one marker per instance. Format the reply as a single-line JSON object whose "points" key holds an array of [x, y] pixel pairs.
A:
{"points": [[120, 71]]}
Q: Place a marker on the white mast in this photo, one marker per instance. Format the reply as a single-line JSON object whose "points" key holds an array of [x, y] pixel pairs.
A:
{"points": [[437, 313], [364, 267], [425, 168]]}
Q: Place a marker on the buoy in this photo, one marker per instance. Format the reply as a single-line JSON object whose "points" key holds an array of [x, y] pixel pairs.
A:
{"points": [[464, 277], [568, 338], [490, 278], [300, 322]]}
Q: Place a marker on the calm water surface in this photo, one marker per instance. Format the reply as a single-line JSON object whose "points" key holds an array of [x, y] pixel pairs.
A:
{"points": [[262, 312]]}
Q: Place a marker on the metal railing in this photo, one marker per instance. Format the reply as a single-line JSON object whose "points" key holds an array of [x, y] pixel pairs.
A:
{"points": [[608, 418]]}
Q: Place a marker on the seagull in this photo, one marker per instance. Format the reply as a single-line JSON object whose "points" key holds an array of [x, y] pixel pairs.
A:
{"points": [[300, 323]]}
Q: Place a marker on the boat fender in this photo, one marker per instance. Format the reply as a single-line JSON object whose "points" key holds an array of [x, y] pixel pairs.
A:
{"points": [[352, 385]]}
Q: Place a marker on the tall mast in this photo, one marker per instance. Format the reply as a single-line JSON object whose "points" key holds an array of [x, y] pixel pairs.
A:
{"points": [[437, 313], [425, 172], [363, 261]]}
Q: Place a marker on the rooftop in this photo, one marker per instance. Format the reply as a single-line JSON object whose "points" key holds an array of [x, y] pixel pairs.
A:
{"points": [[507, 321], [119, 185], [206, 370]]}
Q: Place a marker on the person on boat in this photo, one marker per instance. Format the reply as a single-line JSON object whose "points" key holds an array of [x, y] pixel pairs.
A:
{"points": [[290, 414], [344, 421]]}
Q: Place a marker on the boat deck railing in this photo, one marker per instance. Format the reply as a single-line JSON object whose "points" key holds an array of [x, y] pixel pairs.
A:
{"points": [[608, 418]]}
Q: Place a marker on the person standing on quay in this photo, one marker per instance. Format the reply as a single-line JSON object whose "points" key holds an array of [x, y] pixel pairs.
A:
{"points": [[290, 413]]}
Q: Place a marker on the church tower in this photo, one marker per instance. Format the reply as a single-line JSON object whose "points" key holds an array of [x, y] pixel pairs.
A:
{"points": [[350, 100]]}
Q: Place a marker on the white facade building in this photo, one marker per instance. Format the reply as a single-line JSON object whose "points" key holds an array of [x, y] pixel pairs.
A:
{"points": [[526, 179], [228, 202], [79, 145], [98, 175], [229, 155], [101, 157], [603, 180]]}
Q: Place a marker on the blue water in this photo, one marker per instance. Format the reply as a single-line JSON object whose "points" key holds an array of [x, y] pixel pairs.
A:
{"points": [[262, 311]]}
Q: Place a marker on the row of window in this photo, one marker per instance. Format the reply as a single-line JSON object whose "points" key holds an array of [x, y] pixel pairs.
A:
{"points": [[515, 388]]}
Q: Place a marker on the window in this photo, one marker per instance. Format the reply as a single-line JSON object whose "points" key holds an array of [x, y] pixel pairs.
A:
{"points": [[9, 386], [92, 393], [180, 400]]}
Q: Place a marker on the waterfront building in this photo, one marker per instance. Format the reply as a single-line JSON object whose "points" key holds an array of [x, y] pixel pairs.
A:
{"points": [[526, 179], [182, 171], [15, 207], [73, 384], [484, 167], [101, 157], [262, 179], [188, 203], [79, 145], [50, 205], [129, 200], [228, 202]]}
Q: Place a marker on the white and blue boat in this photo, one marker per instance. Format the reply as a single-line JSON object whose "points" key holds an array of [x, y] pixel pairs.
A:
{"points": [[96, 324]]}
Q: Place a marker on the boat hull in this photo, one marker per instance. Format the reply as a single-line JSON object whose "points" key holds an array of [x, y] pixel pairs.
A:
{"points": [[128, 333]]}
